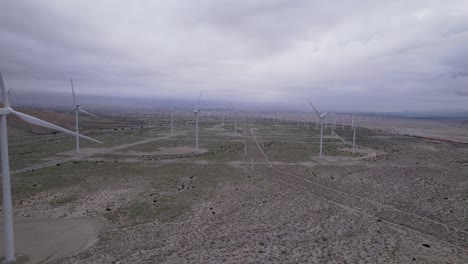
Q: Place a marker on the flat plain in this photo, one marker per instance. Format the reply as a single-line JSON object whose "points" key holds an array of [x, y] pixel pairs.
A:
{"points": [[261, 195]]}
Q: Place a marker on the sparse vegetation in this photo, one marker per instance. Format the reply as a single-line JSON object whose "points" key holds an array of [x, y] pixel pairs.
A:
{"points": [[269, 195]]}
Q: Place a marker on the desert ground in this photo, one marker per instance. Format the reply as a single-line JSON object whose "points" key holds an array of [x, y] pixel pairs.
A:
{"points": [[260, 195], [451, 130]]}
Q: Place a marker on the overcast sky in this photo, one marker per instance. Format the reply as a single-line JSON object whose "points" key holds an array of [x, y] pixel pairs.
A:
{"points": [[376, 54]]}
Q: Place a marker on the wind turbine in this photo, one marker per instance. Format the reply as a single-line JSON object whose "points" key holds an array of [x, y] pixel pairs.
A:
{"points": [[352, 121], [8, 94], [196, 112], [354, 138], [321, 117], [332, 123], [343, 121], [6, 183], [78, 109], [354, 131], [235, 124], [172, 119]]}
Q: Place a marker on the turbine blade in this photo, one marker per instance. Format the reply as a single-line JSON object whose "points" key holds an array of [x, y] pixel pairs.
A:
{"points": [[199, 97], [73, 91], [315, 109], [88, 113], [6, 102], [42, 123], [63, 115], [197, 108]]}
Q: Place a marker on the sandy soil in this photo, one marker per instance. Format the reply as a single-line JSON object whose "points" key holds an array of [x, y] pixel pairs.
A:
{"points": [[87, 152], [402, 201], [40, 240], [166, 151], [216, 128], [424, 128]]}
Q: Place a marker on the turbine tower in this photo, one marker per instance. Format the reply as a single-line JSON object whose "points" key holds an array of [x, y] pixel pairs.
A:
{"points": [[235, 124], [6, 183], [321, 118], [172, 119], [332, 123], [196, 112], [77, 110], [354, 131]]}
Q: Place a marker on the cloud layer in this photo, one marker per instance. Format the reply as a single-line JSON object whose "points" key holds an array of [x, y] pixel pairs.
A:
{"points": [[264, 51]]}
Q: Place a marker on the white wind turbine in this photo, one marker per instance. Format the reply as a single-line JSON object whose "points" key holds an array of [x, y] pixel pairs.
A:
{"points": [[235, 124], [78, 109], [354, 132], [6, 184], [172, 119], [321, 117], [332, 122], [196, 112]]}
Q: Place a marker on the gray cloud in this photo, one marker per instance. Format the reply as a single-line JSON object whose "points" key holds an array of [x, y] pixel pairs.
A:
{"points": [[263, 51]]}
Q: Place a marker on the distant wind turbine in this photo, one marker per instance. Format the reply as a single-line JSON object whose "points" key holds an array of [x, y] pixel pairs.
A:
{"points": [[235, 123], [343, 121], [78, 109], [352, 120], [332, 123], [172, 119], [8, 94], [196, 112], [6, 183], [354, 131], [321, 118]]}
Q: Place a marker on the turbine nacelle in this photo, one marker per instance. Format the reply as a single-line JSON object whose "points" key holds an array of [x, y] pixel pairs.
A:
{"points": [[77, 107], [197, 108]]}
